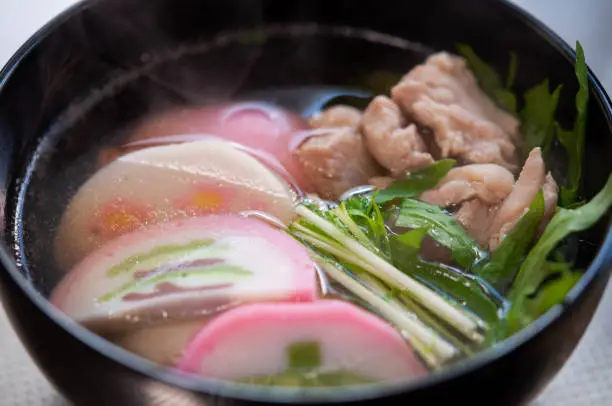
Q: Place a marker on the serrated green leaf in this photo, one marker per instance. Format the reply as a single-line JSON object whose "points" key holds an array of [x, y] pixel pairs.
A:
{"points": [[538, 117], [442, 228], [526, 309], [563, 223], [573, 141], [489, 79], [461, 287]]}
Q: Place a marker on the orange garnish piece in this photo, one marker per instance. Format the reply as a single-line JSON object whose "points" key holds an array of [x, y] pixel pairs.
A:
{"points": [[119, 217], [206, 199]]}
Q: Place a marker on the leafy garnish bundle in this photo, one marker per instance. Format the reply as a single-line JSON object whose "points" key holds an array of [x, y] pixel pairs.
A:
{"points": [[372, 244]]}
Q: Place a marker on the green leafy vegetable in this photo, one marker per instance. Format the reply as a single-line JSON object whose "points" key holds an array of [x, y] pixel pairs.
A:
{"points": [[434, 350], [512, 71], [443, 310], [461, 287], [344, 245], [416, 182], [365, 221], [508, 257], [536, 269], [564, 223], [412, 240], [573, 141], [349, 243], [442, 228], [550, 295], [490, 80], [506, 99], [527, 309], [538, 117]]}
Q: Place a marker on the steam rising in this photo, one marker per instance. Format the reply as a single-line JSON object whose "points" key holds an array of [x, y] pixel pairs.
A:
{"points": [[186, 82]]}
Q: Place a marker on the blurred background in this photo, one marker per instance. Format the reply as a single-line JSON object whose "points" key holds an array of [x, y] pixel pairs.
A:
{"points": [[585, 380]]}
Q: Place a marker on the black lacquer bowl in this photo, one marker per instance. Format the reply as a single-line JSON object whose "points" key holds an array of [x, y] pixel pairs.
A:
{"points": [[104, 64]]}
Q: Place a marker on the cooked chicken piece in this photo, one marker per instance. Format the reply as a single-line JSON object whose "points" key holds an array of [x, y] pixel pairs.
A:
{"points": [[443, 94], [395, 145], [337, 161], [489, 183], [480, 187], [475, 216], [491, 202], [336, 116], [527, 186]]}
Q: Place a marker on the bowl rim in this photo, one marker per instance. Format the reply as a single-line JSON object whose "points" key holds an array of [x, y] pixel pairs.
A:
{"points": [[602, 262]]}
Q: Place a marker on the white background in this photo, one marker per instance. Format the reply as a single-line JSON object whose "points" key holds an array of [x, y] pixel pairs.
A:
{"points": [[586, 379]]}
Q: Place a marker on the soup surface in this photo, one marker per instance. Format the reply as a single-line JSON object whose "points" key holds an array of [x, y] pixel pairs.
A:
{"points": [[344, 238]]}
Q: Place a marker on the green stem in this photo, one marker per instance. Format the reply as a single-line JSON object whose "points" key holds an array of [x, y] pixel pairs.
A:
{"points": [[432, 348], [461, 320]]}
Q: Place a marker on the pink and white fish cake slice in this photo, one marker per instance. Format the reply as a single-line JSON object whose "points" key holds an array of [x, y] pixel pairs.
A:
{"points": [[183, 269], [255, 340]]}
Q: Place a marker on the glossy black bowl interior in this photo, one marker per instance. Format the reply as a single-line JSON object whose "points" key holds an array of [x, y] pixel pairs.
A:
{"points": [[92, 73]]}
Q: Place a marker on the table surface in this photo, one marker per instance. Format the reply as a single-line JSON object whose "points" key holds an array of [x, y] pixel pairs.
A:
{"points": [[585, 380]]}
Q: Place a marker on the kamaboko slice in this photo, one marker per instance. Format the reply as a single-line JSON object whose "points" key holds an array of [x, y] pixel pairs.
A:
{"points": [[308, 344], [163, 183], [185, 269]]}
